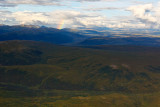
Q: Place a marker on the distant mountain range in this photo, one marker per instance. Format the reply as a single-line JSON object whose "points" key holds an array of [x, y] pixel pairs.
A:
{"points": [[138, 41], [80, 36], [36, 33]]}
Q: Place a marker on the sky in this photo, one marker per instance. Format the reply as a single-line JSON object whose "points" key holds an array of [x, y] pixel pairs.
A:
{"points": [[82, 13]]}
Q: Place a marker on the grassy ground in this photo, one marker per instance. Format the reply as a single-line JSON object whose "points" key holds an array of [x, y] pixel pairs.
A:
{"points": [[82, 99]]}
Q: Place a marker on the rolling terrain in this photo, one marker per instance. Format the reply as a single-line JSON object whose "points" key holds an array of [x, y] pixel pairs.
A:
{"points": [[42, 74], [93, 69], [37, 69]]}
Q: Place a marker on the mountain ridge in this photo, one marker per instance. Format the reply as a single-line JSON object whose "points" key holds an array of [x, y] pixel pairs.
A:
{"points": [[76, 37], [44, 34]]}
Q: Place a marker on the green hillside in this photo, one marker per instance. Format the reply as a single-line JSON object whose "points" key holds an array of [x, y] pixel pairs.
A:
{"points": [[73, 68], [81, 99], [35, 70]]}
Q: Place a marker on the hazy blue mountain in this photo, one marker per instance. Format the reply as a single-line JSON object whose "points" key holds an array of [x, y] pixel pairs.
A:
{"points": [[79, 36], [139, 41], [36, 33]]}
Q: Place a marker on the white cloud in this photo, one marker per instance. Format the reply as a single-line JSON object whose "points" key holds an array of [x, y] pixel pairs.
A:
{"points": [[147, 14], [9, 3], [29, 17], [32, 2], [70, 18], [143, 16], [102, 8], [93, 0]]}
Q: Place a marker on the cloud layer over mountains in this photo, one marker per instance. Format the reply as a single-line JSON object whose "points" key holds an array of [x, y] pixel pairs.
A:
{"points": [[82, 13]]}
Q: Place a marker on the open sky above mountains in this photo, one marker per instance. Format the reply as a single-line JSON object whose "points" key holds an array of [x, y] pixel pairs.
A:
{"points": [[82, 13]]}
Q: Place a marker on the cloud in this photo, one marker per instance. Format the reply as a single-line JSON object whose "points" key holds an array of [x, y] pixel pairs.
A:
{"points": [[103, 8], [70, 18], [143, 16], [7, 5], [31, 2], [147, 14], [94, 0], [11, 3]]}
